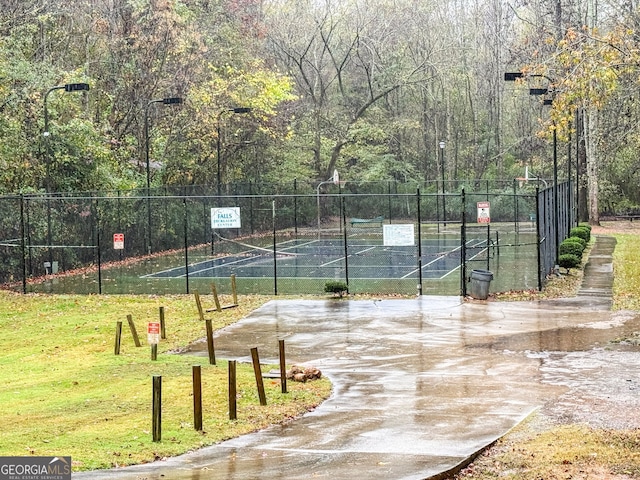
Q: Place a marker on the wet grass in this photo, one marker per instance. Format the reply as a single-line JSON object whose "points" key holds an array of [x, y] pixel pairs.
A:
{"points": [[564, 452], [67, 393], [626, 283], [535, 450]]}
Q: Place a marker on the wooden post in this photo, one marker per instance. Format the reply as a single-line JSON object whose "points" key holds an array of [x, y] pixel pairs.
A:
{"points": [[234, 289], [197, 398], [134, 332], [215, 297], [118, 338], [210, 348], [163, 333], [157, 408], [154, 351], [258, 373], [233, 404], [283, 367], [199, 305]]}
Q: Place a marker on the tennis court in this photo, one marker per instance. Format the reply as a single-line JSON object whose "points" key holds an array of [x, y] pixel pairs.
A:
{"points": [[292, 245], [305, 258]]}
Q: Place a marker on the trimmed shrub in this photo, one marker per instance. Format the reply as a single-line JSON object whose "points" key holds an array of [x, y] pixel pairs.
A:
{"points": [[581, 232], [585, 225], [568, 260], [336, 287], [579, 240], [569, 247]]}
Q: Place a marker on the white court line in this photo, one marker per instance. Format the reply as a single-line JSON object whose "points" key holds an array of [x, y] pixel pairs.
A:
{"points": [[415, 270]]}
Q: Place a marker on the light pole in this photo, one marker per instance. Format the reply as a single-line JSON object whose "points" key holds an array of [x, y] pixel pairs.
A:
{"points": [[511, 77], [556, 214], [444, 206], [164, 101], [218, 142], [67, 87], [335, 179]]}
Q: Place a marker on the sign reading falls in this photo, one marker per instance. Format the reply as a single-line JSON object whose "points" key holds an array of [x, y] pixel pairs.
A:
{"points": [[225, 217]]}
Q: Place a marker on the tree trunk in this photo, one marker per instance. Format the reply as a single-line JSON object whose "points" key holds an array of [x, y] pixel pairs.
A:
{"points": [[590, 122], [581, 165]]}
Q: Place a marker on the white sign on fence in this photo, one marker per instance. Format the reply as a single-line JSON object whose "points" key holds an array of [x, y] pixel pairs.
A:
{"points": [[118, 241], [483, 212], [398, 235], [228, 217]]}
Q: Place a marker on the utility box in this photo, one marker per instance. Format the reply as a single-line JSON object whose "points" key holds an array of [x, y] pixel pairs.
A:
{"points": [[480, 281]]}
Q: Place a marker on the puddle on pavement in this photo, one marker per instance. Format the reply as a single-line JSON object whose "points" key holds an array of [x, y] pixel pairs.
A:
{"points": [[622, 333]]}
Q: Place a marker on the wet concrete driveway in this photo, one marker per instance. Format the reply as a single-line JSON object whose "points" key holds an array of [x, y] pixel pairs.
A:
{"points": [[420, 385]]}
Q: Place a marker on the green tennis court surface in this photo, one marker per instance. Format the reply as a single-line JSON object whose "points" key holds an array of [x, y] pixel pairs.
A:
{"points": [[304, 258]]}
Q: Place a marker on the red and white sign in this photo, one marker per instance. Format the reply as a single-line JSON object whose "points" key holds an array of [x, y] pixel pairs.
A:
{"points": [[484, 215], [153, 333], [118, 241]]}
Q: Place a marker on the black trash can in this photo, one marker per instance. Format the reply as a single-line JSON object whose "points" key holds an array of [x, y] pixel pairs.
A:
{"points": [[480, 281]]}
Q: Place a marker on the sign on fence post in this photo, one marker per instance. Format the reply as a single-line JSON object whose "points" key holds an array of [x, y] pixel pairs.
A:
{"points": [[225, 217], [484, 212], [118, 241], [398, 235]]}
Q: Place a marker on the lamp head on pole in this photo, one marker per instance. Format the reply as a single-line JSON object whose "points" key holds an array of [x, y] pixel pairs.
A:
{"points": [[76, 87], [172, 101], [538, 91], [442, 144], [512, 76]]}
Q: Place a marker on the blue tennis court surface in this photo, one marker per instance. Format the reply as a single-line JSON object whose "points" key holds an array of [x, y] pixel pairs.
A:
{"points": [[326, 259]]}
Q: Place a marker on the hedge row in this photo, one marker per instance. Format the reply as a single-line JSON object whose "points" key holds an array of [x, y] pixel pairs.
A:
{"points": [[571, 249]]}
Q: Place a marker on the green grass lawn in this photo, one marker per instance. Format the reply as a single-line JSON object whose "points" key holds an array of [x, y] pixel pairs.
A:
{"points": [[67, 393], [626, 280]]}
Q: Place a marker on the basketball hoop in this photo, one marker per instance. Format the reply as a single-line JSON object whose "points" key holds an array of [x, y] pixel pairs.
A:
{"points": [[336, 177]]}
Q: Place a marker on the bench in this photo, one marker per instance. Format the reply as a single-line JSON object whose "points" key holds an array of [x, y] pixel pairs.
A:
{"points": [[631, 218], [367, 221]]}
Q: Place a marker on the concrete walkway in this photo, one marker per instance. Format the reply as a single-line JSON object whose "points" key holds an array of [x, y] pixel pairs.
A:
{"points": [[420, 385], [596, 290]]}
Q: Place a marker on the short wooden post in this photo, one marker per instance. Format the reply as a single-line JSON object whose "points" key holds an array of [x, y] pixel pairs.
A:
{"points": [[134, 332], [234, 289], [214, 290], [199, 305], [157, 408], [197, 398], [283, 367], [118, 338], [258, 373], [210, 347], [233, 404], [163, 333], [154, 351]]}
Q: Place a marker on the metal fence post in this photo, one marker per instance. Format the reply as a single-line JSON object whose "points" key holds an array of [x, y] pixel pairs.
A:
{"points": [[22, 246], [538, 238], [463, 246], [419, 243], [346, 246]]}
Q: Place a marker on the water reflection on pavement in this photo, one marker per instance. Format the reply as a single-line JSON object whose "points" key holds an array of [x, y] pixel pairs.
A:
{"points": [[420, 384]]}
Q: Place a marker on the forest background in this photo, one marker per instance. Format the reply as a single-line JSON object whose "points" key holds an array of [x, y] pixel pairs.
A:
{"points": [[382, 90]]}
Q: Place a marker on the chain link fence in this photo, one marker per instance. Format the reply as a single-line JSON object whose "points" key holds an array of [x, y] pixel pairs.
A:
{"points": [[377, 238]]}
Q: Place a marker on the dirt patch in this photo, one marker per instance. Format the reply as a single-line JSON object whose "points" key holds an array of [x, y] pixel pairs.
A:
{"points": [[618, 226]]}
